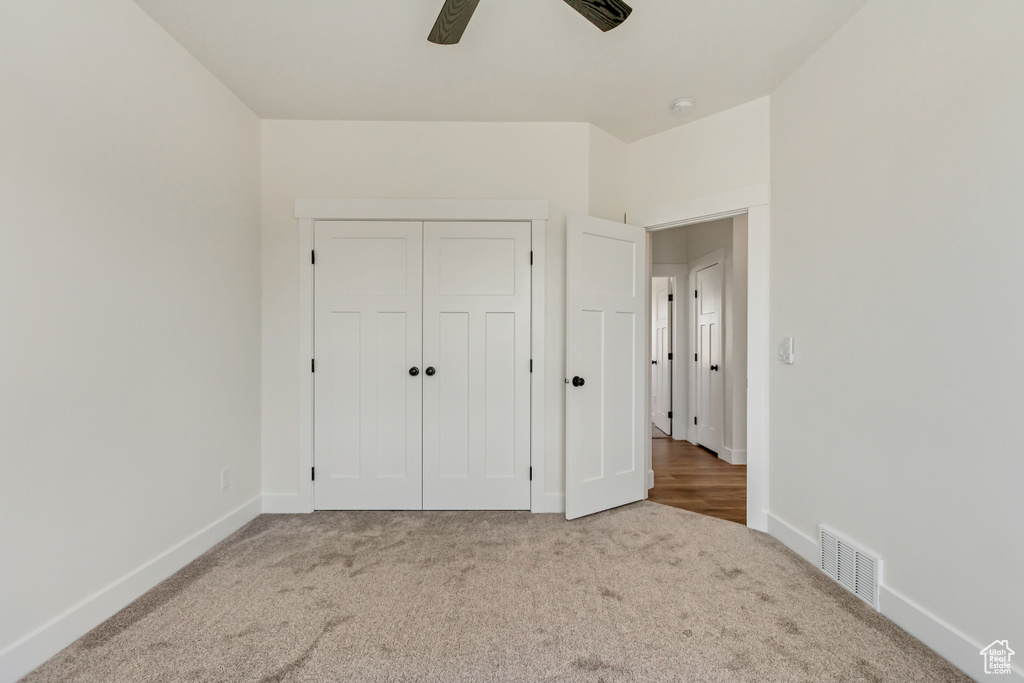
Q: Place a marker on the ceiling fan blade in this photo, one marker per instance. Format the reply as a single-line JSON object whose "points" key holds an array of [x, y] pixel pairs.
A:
{"points": [[604, 14], [452, 21]]}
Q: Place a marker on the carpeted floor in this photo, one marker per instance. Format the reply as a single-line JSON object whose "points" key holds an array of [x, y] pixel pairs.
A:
{"points": [[641, 593]]}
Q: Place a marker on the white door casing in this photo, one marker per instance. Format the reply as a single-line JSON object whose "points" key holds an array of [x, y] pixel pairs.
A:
{"points": [[476, 339], [606, 414], [709, 374], [368, 312], [661, 343]]}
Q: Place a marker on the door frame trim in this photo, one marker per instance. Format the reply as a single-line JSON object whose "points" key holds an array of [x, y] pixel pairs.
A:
{"points": [[753, 201], [308, 211]]}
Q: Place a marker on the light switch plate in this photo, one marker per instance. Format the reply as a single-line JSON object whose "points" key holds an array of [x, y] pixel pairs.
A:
{"points": [[786, 350]]}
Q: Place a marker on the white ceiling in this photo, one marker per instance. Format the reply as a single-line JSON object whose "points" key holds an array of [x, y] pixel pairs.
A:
{"points": [[519, 60]]}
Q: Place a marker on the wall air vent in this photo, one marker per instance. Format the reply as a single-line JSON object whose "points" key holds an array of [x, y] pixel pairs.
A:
{"points": [[853, 568]]}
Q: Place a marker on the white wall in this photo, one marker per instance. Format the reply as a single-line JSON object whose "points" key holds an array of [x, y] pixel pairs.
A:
{"points": [[736, 343], [129, 303], [670, 247], [897, 251], [723, 152], [413, 160], [607, 173]]}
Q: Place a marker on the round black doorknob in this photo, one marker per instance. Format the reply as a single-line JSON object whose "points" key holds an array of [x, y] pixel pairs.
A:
{"points": [[578, 381], [430, 372], [654, 362], [715, 368], [414, 371]]}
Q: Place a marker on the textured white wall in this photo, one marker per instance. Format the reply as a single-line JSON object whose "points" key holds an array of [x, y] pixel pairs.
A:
{"points": [[129, 301], [896, 263], [407, 160]]}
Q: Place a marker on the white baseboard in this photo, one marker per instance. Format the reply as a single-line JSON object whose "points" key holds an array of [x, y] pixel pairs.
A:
{"points": [[955, 647], [32, 650], [282, 503], [804, 546], [650, 479], [948, 642], [733, 456]]}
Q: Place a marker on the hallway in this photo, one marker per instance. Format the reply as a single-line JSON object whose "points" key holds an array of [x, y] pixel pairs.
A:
{"points": [[689, 477]]}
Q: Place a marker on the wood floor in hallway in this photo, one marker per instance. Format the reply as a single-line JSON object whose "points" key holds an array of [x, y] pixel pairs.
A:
{"points": [[689, 477]]}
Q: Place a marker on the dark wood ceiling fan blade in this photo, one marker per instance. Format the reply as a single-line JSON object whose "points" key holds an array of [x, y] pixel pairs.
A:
{"points": [[604, 14], [452, 21]]}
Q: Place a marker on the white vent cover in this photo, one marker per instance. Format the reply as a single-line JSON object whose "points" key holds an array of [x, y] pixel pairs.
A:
{"points": [[856, 570]]}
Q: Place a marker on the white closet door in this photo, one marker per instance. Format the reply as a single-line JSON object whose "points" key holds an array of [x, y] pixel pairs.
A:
{"points": [[368, 410], [476, 340], [605, 354]]}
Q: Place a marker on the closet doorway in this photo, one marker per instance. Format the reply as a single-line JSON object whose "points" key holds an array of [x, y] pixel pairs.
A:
{"points": [[421, 356]]}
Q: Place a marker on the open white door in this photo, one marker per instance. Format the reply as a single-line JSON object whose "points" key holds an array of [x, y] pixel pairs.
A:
{"points": [[661, 351], [605, 357], [710, 385]]}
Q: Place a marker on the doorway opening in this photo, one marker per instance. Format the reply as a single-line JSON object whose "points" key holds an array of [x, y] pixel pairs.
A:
{"points": [[698, 371]]}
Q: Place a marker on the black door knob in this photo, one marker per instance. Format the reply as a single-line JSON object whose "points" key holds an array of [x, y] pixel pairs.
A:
{"points": [[414, 371], [578, 381], [654, 362], [430, 372], [715, 368]]}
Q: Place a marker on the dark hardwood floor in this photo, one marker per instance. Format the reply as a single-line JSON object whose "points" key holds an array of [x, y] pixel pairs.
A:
{"points": [[688, 477]]}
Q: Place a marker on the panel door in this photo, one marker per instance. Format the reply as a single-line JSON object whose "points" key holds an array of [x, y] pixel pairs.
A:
{"points": [[710, 385], [605, 399], [476, 346], [661, 366], [368, 327]]}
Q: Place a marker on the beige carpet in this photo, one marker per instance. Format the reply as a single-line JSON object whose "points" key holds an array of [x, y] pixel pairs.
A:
{"points": [[641, 593]]}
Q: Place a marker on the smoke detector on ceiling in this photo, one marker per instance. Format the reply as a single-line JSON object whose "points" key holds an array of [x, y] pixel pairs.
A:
{"points": [[683, 105]]}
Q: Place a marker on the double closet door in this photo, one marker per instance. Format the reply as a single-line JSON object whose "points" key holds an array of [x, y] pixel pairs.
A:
{"points": [[422, 366]]}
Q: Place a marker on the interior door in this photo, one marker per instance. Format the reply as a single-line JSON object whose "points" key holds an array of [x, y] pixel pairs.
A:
{"points": [[476, 346], [710, 384], [605, 399], [367, 340], [661, 366]]}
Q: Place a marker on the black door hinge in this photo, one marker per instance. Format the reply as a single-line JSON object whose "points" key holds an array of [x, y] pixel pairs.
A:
{"points": [[312, 473], [312, 364], [670, 297], [670, 356], [531, 258], [695, 294], [694, 358], [531, 473], [670, 414], [312, 257], [531, 365], [694, 419]]}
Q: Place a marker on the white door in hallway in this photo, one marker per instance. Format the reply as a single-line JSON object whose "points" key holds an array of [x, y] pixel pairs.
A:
{"points": [[476, 349], [709, 374], [661, 366], [606, 355], [367, 338]]}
